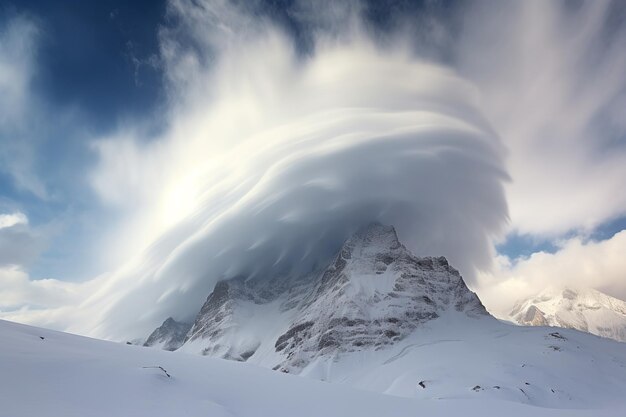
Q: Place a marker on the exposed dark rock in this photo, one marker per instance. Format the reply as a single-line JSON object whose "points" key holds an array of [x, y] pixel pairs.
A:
{"points": [[246, 355], [391, 333], [294, 335], [170, 335], [557, 335]]}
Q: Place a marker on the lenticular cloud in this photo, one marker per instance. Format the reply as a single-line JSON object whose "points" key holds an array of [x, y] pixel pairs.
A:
{"points": [[272, 158]]}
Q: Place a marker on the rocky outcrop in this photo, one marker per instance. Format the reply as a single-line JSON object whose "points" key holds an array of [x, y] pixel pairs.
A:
{"points": [[169, 336]]}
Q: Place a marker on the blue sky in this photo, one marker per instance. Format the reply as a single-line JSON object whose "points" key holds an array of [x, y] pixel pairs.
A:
{"points": [[86, 56], [92, 73], [117, 114]]}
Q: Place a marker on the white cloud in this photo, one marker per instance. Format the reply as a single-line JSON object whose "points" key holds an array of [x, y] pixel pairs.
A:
{"points": [[267, 142], [577, 263], [271, 159], [18, 48], [12, 219], [19, 290], [46, 302], [551, 76], [19, 243], [552, 83], [17, 51]]}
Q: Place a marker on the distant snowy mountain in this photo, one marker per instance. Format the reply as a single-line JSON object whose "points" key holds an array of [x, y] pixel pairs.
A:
{"points": [[587, 310], [381, 319]]}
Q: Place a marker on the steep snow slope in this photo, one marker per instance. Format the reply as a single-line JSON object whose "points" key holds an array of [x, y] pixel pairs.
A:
{"points": [[588, 310], [47, 373]]}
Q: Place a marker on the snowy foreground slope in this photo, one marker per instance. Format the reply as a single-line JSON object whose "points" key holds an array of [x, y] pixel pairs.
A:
{"points": [[67, 375], [586, 309]]}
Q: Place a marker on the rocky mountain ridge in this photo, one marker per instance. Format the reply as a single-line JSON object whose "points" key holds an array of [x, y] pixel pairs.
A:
{"points": [[372, 295]]}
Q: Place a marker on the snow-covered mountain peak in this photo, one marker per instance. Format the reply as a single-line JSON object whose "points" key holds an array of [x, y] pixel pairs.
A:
{"points": [[582, 299], [583, 309], [372, 295], [376, 248]]}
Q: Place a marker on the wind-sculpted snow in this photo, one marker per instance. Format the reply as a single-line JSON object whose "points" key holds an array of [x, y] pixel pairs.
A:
{"points": [[285, 155]]}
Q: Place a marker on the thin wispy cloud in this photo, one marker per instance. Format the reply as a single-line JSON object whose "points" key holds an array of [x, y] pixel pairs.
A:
{"points": [[551, 82], [18, 49]]}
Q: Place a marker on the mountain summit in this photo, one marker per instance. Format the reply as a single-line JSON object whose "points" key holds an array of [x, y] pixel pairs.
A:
{"points": [[374, 293]]}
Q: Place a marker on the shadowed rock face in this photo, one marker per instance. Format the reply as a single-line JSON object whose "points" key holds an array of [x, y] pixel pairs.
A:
{"points": [[217, 311], [170, 335], [373, 294]]}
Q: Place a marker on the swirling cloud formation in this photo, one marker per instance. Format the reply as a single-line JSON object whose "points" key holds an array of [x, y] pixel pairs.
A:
{"points": [[272, 156]]}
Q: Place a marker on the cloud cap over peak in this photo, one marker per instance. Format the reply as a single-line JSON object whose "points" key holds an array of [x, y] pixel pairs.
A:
{"points": [[287, 156]]}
